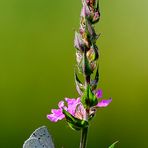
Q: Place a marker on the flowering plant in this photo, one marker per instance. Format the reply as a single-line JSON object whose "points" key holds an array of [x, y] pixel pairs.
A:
{"points": [[79, 112]]}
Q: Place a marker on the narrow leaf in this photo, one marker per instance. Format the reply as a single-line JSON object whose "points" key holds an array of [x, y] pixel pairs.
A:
{"points": [[73, 122], [113, 145], [86, 66]]}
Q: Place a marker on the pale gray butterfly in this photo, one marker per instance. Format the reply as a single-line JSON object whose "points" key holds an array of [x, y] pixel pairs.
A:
{"points": [[40, 138]]}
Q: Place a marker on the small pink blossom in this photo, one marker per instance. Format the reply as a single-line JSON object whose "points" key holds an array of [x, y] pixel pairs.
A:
{"points": [[72, 104], [104, 103], [57, 114], [99, 93]]}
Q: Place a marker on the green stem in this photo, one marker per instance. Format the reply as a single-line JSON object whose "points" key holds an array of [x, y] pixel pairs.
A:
{"points": [[83, 140]]}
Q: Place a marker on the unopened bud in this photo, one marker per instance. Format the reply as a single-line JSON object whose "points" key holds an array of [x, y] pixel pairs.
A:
{"points": [[78, 42], [93, 65], [96, 17], [92, 53], [85, 12], [78, 56]]}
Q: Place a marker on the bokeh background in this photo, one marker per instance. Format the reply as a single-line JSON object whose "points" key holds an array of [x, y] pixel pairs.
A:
{"points": [[37, 60]]}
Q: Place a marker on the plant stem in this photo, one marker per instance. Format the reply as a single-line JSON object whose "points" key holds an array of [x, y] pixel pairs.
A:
{"points": [[84, 131], [83, 140]]}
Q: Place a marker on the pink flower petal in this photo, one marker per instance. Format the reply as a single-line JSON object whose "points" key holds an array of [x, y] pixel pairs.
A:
{"points": [[72, 104], [80, 112], [55, 117], [56, 111], [104, 103], [56, 114], [61, 104], [99, 93], [52, 118]]}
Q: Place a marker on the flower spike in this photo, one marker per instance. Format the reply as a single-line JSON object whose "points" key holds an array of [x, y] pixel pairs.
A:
{"points": [[79, 112]]}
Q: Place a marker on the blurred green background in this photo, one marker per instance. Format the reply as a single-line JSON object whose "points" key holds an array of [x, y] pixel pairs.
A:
{"points": [[37, 61]]}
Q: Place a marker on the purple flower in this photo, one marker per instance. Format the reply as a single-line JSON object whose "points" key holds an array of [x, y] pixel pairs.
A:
{"points": [[104, 103], [99, 93], [75, 108], [57, 114], [72, 104]]}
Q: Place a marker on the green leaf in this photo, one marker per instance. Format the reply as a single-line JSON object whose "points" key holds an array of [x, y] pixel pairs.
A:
{"points": [[74, 123], [113, 145], [96, 52], [86, 66], [73, 127], [89, 99], [97, 4]]}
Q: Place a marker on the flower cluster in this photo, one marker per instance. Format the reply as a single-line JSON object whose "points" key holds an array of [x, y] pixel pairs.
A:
{"points": [[76, 108]]}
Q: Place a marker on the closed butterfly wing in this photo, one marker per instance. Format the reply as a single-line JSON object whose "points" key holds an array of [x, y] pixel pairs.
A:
{"points": [[32, 143], [40, 138]]}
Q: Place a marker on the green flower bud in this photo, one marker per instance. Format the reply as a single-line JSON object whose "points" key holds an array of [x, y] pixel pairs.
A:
{"points": [[89, 99]]}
